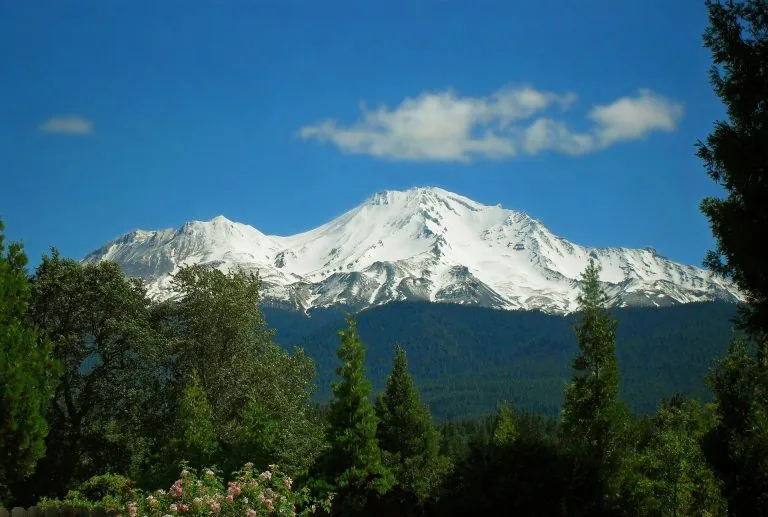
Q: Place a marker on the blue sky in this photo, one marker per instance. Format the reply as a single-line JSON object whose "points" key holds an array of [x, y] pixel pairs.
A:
{"points": [[283, 114]]}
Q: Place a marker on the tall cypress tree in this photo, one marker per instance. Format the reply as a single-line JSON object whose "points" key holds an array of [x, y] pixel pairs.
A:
{"points": [[594, 420], [353, 464], [406, 434], [27, 375]]}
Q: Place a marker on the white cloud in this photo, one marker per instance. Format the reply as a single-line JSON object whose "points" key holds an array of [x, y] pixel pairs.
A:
{"points": [[67, 125], [442, 126], [629, 118]]}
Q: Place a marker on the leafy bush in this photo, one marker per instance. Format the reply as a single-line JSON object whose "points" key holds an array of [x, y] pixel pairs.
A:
{"points": [[109, 491], [251, 494]]}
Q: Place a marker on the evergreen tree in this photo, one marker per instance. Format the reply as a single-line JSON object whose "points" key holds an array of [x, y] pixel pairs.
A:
{"points": [[27, 375], [740, 442], [505, 427], [735, 154], [675, 479], [406, 435], [594, 421], [353, 464]]}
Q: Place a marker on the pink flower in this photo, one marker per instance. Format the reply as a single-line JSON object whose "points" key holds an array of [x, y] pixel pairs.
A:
{"points": [[287, 482], [250, 512], [233, 488], [215, 507], [269, 504], [132, 509], [230, 499], [184, 507]]}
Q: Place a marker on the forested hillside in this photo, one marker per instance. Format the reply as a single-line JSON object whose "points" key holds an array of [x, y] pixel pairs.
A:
{"points": [[465, 359]]}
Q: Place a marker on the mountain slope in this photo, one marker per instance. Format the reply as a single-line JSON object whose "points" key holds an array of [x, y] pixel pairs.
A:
{"points": [[419, 244], [466, 359]]}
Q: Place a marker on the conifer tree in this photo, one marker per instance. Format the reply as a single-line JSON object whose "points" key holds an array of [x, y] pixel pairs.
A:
{"points": [[675, 479], [353, 464], [27, 374], [406, 434], [735, 154], [504, 427], [740, 386], [594, 420]]}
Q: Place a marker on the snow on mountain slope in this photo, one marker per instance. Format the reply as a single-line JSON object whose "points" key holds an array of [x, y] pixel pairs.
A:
{"points": [[423, 243]]}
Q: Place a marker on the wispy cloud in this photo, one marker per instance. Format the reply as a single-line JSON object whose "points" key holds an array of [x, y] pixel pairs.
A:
{"points": [[442, 126], [67, 125]]}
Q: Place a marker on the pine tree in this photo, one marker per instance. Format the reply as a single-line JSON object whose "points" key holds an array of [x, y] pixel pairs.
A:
{"points": [[735, 154], [740, 386], [27, 375], [406, 434], [594, 420], [353, 464]]}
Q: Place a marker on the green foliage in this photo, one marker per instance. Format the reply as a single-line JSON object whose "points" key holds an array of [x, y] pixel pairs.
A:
{"points": [[465, 359], [112, 492], [528, 476], [250, 493], [259, 394], [353, 463], [28, 373], [505, 427], [406, 435], [735, 154], [595, 422], [674, 477], [740, 385], [198, 440], [100, 327]]}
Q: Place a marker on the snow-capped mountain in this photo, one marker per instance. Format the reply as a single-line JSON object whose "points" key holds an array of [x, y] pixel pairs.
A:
{"points": [[419, 244]]}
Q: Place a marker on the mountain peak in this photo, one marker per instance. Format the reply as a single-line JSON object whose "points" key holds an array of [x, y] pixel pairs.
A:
{"points": [[423, 196], [422, 243]]}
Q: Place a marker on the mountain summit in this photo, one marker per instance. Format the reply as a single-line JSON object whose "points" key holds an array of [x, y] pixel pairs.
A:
{"points": [[419, 244]]}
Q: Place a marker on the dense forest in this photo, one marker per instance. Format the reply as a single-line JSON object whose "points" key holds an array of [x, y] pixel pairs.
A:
{"points": [[189, 406], [465, 359]]}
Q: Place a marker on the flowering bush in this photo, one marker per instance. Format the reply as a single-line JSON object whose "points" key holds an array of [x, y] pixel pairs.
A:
{"points": [[250, 494]]}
